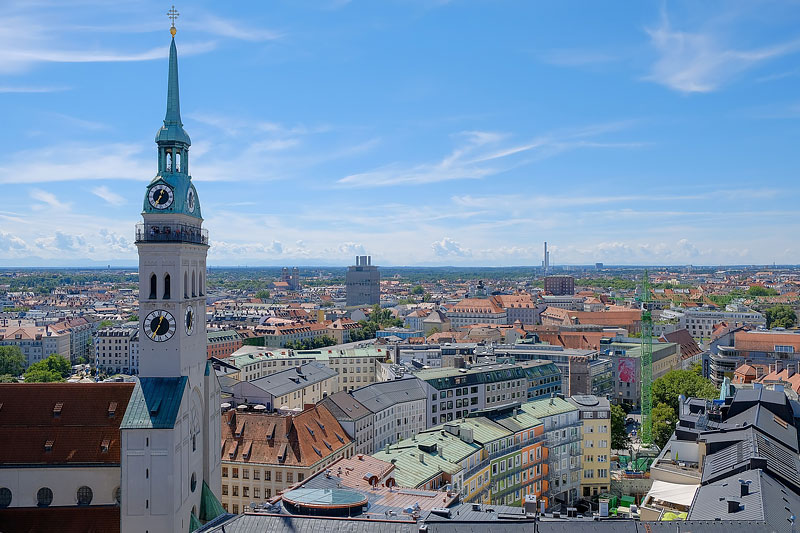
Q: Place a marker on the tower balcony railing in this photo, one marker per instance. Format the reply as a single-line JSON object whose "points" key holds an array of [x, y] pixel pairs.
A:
{"points": [[171, 233]]}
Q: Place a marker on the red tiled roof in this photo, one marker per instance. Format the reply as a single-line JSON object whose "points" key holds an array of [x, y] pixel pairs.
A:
{"points": [[688, 345], [30, 416], [298, 437]]}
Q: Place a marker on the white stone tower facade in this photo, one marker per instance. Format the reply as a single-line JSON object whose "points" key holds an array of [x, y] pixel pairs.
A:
{"points": [[171, 431]]}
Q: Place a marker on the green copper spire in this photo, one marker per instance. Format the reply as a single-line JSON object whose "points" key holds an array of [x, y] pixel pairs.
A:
{"points": [[173, 131]]}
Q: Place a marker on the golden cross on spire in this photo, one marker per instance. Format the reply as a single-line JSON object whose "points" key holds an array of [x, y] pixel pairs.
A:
{"points": [[173, 14]]}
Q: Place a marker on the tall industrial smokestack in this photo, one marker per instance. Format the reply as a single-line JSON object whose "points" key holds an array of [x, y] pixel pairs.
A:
{"points": [[546, 261]]}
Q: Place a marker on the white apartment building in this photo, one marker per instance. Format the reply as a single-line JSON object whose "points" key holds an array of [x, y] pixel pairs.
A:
{"points": [[116, 349], [355, 367], [476, 311], [36, 343], [453, 393], [700, 323], [398, 407]]}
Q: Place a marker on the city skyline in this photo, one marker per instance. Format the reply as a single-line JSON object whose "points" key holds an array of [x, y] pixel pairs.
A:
{"points": [[419, 133]]}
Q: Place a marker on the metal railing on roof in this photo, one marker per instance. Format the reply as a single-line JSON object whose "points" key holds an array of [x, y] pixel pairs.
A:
{"points": [[171, 233]]}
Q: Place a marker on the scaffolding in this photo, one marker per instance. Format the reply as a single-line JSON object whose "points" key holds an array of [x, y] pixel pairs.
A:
{"points": [[646, 360]]}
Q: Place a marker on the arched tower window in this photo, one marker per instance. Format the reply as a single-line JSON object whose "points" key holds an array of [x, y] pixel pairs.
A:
{"points": [[169, 161], [153, 287], [200, 284], [194, 291], [185, 284], [178, 161], [166, 287]]}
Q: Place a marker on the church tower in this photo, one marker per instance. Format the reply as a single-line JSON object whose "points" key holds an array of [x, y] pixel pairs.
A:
{"points": [[171, 430]]}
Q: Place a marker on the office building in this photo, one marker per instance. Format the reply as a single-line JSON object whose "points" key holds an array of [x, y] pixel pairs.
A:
{"points": [[363, 283], [559, 285]]}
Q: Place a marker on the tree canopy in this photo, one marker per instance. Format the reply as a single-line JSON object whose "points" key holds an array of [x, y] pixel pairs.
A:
{"points": [[664, 420], [619, 438], [668, 387], [780, 316], [758, 290], [54, 368], [12, 361]]}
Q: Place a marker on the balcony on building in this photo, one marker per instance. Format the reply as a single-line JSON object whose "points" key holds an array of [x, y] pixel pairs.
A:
{"points": [[171, 233]]}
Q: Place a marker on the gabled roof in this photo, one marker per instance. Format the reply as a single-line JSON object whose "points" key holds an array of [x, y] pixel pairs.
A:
{"points": [[345, 407], [298, 440], [382, 395], [155, 403], [79, 421]]}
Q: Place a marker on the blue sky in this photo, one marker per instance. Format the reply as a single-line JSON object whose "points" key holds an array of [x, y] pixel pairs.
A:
{"points": [[420, 132]]}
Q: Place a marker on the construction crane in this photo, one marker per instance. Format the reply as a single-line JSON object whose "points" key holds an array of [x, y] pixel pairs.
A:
{"points": [[646, 361]]}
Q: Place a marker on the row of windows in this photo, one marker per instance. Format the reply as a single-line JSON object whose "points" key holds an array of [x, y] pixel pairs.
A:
{"points": [[44, 496], [257, 474], [167, 286]]}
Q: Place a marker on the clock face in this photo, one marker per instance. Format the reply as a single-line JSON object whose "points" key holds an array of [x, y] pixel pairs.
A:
{"points": [[161, 196], [189, 320], [190, 200], [159, 325]]}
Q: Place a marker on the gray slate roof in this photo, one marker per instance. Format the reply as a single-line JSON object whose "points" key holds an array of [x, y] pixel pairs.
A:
{"points": [[345, 407], [384, 394], [299, 377], [768, 500]]}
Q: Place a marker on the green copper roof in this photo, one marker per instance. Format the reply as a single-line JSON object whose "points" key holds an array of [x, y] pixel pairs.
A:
{"points": [[154, 403], [210, 508], [173, 153], [194, 523], [172, 130]]}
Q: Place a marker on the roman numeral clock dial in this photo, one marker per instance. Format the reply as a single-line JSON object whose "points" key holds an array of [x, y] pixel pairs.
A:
{"points": [[159, 325]]}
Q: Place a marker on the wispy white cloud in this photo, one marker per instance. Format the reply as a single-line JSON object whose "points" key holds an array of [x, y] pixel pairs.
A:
{"points": [[108, 195], [74, 161], [483, 154], [233, 29], [701, 61], [31, 90], [49, 200]]}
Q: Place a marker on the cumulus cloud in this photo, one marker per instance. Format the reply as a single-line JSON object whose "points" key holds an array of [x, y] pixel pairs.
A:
{"points": [[449, 247]]}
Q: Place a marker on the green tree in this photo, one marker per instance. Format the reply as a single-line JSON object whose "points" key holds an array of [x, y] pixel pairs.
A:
{"points": [[7, 378], [11, 360], [417, 290], [55, 364], [757, 290], [664, 419], [668, 387], [780, 316], [42, 376], [697, 368], [619, 437], [262, 294], [105, 324], [133, 318]]}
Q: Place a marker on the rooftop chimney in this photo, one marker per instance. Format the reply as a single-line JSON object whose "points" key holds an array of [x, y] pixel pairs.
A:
{"points": [[744, 486], [733, 506]]}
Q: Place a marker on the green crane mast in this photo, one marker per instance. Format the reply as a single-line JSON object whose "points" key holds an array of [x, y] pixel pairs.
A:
{"points": [[646, 361]]}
